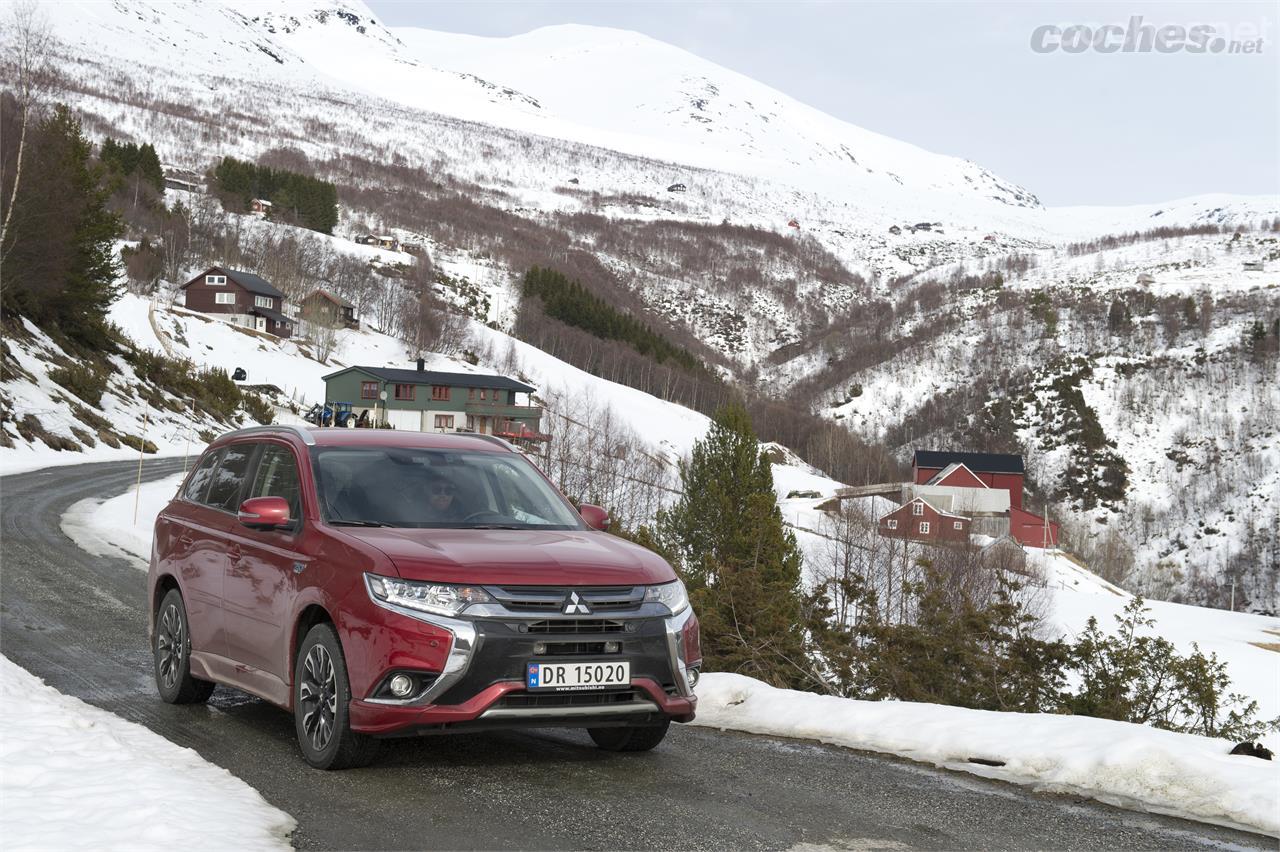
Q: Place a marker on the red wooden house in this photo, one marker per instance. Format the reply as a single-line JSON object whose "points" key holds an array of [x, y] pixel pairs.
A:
{"points": [[919, 520], [996, 471]]}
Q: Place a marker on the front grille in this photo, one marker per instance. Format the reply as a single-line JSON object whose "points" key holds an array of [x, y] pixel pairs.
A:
{"points": [[552, 598], [576, 626], [567, 699]]}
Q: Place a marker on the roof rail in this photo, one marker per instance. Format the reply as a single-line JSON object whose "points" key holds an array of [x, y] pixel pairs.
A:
{"points": [[304, 434], [493, 439]]}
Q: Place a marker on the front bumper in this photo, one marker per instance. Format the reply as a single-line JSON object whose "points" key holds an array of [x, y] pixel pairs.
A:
{"points": [[481, 685]]}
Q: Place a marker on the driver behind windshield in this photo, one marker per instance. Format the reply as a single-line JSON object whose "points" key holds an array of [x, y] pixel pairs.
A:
{"points": [[442, 500]]}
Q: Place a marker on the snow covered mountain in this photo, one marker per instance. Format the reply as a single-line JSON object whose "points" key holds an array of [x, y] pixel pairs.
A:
{"points": [[617, 89]]}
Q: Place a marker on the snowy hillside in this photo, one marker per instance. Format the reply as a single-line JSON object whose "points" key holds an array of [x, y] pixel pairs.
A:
{"points": [[905, 302]]}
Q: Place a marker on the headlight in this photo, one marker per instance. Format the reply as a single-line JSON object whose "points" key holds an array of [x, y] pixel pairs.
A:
{"points": [[439, 598], [672, 594]]}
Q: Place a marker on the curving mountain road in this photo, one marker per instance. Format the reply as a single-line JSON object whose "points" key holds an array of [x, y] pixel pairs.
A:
{"points": [[78, 621]]}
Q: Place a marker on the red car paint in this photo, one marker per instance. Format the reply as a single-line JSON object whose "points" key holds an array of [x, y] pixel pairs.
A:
{"points": [[251, 594]]}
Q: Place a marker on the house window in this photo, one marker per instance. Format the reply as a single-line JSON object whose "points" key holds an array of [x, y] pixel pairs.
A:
{"points": [[444, 422], [404, 392], [216, 280], [264, 301], [917, 508], [958, 525], [440, 393], [893, 524], [368, 390], [484, 394], [471, 394], [224, 298], [924, 527]]}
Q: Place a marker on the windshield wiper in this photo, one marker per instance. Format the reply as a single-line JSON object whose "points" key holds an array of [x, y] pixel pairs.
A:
{"points": [[493, 527], [359, 524]]}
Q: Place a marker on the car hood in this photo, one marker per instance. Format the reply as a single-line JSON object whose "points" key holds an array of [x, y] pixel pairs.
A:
{"points": [[517, 557]]}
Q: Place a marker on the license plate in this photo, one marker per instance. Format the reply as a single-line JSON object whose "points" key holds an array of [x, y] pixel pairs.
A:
{"points": [[577, 675]]}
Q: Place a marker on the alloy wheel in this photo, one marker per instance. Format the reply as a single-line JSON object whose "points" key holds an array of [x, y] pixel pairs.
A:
{"points": [[318, 697], [171, 645]]}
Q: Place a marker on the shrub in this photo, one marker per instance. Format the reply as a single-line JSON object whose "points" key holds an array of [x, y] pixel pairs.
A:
{"points": [[259, 409], [134, 442], [82, 380], [211, 389]]}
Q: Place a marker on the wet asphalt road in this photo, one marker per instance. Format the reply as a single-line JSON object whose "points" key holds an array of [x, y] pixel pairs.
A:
{"points": [[78, 621]]}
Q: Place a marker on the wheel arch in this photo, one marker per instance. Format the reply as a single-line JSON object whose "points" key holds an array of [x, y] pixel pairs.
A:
{"points": [[164, 584], [309, 616]]}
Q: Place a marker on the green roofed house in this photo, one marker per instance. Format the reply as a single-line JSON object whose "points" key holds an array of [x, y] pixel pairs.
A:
{"points": [[430, 401]]}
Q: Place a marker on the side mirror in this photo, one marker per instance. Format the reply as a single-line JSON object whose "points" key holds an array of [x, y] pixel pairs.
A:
{"points": [[596, 517], [265, 513]]}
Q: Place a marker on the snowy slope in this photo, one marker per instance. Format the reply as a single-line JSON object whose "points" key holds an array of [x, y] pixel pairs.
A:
{"points": [[73, 776]]}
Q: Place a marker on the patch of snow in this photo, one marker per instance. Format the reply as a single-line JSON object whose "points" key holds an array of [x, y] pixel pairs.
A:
{"points": [[1123, 764], [75, 776]]}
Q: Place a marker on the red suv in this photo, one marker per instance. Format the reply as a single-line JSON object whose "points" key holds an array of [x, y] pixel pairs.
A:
{"points": [[383, 583]]}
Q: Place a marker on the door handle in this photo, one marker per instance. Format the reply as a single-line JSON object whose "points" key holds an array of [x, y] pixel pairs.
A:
{"points": [[234, 551], [185, 540]]}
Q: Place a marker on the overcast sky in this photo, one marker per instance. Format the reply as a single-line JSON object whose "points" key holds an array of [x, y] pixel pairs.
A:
{"points": [[962, 79]]}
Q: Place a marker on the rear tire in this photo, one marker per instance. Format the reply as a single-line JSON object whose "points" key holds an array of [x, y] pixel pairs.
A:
{"points": [[639, 738], [171, 654], [321, 705]]}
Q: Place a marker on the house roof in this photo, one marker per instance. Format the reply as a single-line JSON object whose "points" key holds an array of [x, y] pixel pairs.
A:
{"points": [[941, 512], [941, 475], [325, 294], [271, 315], [976, 462], [247, 280], [435, 377]]}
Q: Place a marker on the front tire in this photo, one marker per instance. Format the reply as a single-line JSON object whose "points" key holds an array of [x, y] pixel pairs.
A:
{"points": [[171, 654], [639, 738], [321, 705]]}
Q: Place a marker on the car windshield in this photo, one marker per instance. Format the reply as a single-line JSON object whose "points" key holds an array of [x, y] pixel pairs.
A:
{"points": [[408, 487]]}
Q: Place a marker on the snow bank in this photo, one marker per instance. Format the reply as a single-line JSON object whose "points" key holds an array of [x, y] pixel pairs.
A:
{"points": [[108, 527], [1123, 764], [76, 776]]}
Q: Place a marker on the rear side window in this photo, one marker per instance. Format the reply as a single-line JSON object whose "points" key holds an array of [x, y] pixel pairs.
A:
{"points": [[228, 479], [277, 476], [198, 484]]}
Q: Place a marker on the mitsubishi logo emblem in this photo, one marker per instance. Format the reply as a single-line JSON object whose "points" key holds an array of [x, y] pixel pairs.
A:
{"points": [[575, 606]]}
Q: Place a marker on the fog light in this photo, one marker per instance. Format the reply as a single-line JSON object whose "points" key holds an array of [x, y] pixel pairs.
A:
{"points": [[401, 685], [611, 647], [691, 676], [539, 647]]}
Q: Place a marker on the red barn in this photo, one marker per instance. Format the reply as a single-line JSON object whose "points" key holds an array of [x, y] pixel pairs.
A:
{"points": [[918, 520], [995, 470], [1032, 530]]}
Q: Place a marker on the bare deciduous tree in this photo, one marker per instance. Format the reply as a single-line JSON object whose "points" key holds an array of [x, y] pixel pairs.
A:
{"points": [[27, 48]]}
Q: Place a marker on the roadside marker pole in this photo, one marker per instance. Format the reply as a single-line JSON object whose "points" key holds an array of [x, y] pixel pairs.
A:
{"points": [[186, 446], [142, 448]]}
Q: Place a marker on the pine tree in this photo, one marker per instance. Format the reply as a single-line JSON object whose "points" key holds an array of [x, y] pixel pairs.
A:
{"points": [[60, 265], [739, 562], [150, 168]]}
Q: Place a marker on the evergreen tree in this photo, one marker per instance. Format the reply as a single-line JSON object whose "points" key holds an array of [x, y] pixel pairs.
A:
{"points": [[739, 562], [149, 167], [60, 267]]}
